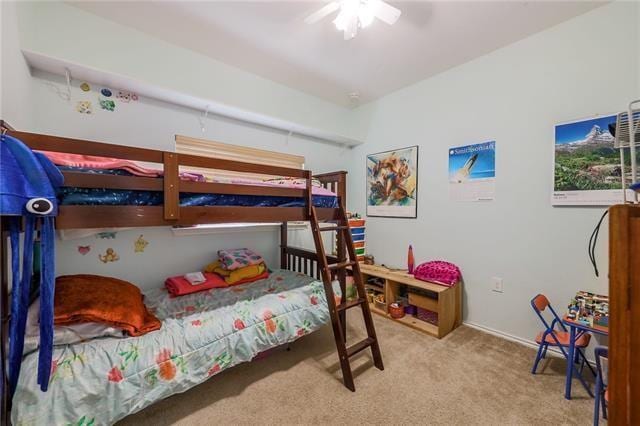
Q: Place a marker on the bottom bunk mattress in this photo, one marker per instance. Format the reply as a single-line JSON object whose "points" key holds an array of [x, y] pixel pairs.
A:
{"points": [[103, 380]]}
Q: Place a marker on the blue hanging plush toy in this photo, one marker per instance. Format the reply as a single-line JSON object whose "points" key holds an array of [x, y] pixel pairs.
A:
{"points": [[28, 183]]}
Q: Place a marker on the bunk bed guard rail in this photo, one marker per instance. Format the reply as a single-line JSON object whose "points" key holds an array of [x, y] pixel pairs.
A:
{"points": [[171, 213]]}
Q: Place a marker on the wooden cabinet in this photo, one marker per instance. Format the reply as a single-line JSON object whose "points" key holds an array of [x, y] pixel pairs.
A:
{"points": [[624, 317], [446, 301]]}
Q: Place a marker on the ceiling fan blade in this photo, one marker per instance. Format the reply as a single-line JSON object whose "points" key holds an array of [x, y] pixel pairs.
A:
{"points": [[385, 12], [324, 11]]}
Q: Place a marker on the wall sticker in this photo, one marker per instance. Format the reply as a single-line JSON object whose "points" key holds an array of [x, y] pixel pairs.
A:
{"points": [[107, 104], [126, 97], [106, 235], [84, 107], [140, 244], [110, 255]]}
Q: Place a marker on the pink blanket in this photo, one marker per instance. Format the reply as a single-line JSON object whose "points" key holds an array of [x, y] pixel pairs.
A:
{"points": [[297, 184], [238, 258], [102, 163]]}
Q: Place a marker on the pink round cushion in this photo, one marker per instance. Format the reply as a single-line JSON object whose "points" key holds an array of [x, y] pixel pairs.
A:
{"points": [[438, 271]]}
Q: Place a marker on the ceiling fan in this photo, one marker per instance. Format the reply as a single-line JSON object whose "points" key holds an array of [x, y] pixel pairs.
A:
{"points": [[356, 14]]}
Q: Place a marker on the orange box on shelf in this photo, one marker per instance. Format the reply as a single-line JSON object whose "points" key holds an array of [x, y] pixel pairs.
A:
{"points": [[355, 223]]}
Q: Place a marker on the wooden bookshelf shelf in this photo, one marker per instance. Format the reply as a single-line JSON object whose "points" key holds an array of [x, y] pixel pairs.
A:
{"points": [[446, 301]]}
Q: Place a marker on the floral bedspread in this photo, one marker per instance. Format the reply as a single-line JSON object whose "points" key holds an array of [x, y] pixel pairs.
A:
{"points": [[103, 380]]}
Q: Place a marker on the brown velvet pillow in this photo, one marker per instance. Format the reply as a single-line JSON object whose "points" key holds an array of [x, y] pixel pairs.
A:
{"points": [[94, 298]]}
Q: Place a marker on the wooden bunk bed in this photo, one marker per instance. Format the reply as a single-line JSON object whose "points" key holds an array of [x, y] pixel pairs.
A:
{"points": [[317, 264]]}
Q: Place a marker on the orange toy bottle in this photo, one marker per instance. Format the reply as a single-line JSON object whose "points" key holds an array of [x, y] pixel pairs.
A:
{"points": [[410, 260]]}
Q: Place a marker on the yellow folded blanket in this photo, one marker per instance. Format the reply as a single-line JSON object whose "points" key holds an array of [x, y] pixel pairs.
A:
{"points": [[217, 268], [232, 277]]}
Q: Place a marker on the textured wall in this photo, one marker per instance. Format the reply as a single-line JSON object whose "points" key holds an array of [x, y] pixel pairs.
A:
{"points": [[514, 95]]}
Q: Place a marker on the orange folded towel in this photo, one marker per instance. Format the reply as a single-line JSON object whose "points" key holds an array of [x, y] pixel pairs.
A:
{"points": [[262, 276], [179, 286], [106, 300], [237, 275]]}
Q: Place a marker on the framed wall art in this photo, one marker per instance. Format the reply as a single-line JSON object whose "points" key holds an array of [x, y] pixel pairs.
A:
{"points": [[392, 183]]}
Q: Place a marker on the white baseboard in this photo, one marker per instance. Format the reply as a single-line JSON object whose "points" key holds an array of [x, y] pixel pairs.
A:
{"points": [[512, 338], [526, 342]]}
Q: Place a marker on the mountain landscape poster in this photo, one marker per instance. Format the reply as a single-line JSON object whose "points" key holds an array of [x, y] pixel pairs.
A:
{"points": [[392, 183], [586, 165]]}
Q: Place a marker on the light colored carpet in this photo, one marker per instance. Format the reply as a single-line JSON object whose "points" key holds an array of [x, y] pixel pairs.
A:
{"points": [[468, 377]]}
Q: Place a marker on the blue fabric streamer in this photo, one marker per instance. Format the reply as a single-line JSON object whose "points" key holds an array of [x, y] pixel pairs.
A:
{"points": [[20, 299], [14, 235], [28, 183], [47, 275]]}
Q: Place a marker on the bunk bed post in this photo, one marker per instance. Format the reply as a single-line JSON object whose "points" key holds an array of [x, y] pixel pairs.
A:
{"points": [[342, 278], [309, 193], [283, 246], [337, 182], [341, 249], [342, 197], [342, 189], [171, 190], [4, 317]]}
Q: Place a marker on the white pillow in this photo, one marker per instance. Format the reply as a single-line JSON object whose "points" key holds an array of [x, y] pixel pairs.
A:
{"points": [[63, 334]]}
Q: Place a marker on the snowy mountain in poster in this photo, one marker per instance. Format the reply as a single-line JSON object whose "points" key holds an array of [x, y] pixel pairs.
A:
{"points": [[585, 157], [596, 138]]}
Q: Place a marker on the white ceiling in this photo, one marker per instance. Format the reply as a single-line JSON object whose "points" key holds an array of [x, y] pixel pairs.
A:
{"points": [[269, 38]]}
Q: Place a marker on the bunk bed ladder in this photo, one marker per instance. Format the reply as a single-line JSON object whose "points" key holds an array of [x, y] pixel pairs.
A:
{"points": [[338, 311]]}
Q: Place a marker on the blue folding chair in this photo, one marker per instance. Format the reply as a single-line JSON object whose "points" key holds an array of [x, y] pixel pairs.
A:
{"points": [[601, 386], [559, 338]]}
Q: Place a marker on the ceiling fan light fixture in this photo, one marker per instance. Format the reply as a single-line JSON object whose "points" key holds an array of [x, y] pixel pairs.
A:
{"points": [[354, 14]]}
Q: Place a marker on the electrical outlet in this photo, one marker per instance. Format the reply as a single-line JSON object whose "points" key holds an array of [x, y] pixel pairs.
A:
{"points": [[497, 284]]}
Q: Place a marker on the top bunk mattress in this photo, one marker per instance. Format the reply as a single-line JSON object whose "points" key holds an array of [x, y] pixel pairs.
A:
{"points": [[321, 197], [103, 380]]}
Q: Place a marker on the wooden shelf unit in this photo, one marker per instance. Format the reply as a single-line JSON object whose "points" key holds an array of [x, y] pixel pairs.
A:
{"points": [[446, 301]]}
